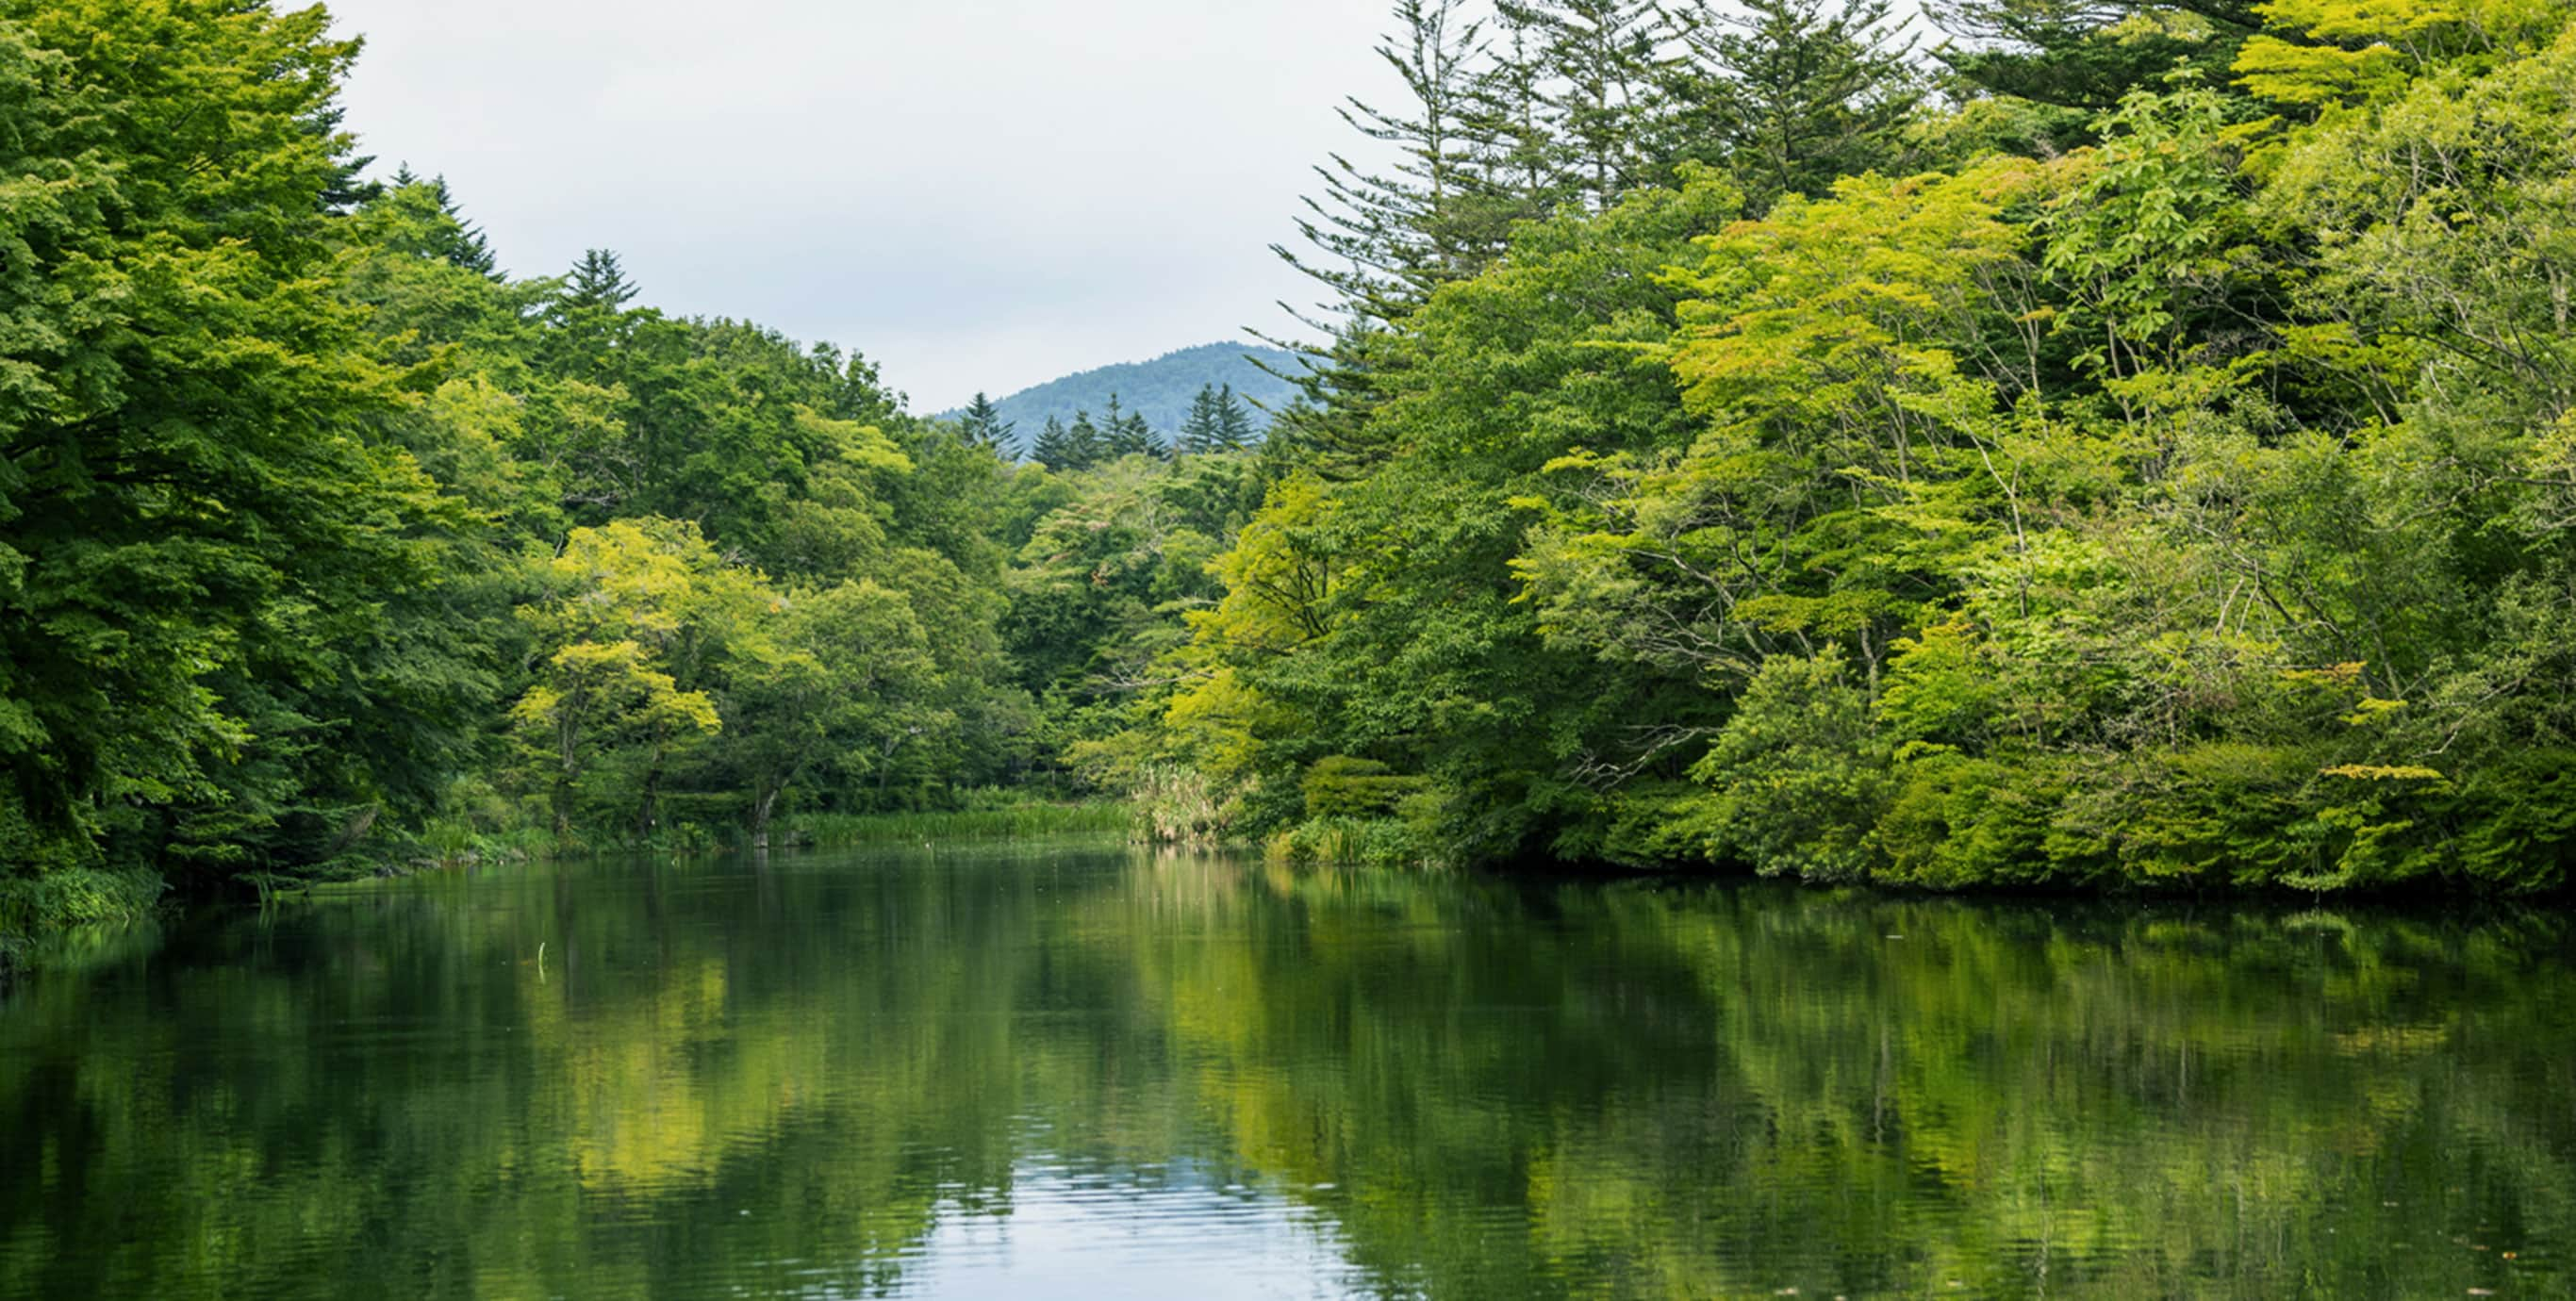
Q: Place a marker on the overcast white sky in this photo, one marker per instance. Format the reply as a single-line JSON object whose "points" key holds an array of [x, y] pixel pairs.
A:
{"points": [[978, 194]]}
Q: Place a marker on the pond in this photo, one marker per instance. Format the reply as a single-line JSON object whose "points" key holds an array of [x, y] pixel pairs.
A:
{"points": [[1082, 1070]]}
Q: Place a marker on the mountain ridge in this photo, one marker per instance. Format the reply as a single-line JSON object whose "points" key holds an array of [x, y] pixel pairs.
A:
{"points": [[1159, 388]]}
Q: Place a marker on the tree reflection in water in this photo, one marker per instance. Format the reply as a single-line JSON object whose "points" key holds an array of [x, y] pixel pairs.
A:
{"points": [[988, 1070]]}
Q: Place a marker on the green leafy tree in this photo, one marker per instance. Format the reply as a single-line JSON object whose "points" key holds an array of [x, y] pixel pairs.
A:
{"points": [[197, 520], [2082, 57], [831, 674], [1383, 623], [636, 622], [1799, 776]]}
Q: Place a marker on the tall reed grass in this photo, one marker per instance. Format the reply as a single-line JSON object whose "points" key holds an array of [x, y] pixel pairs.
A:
{"points": [[1179, 806]]}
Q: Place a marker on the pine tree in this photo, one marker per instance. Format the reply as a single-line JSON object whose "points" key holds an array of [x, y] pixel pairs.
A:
{"points": [[467, 248], [1340, 384], [2082, 56], [1605, 61], [1233, 421], [1512, 127], [348, 187], [1053, 447], [1803, 99], [983, 424], [1219, 421], [438, 229], [1126, 433], [1201, 431], [1084, 444], [598, 283], [1385, 240], [591, 325], [1132, 436]]}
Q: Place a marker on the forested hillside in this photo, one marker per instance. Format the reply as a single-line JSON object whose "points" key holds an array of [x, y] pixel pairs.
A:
{"points": [[1161, 391], [2137, 452]]}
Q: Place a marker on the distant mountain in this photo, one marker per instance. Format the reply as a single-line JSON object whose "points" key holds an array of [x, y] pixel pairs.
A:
{"points": [[1161, 388]]}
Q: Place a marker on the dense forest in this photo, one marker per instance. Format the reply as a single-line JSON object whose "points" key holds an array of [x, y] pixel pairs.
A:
{"points": [[2097, 444]]}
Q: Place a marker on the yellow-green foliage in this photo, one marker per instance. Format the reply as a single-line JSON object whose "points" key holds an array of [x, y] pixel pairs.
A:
{"points": [[1340, 786], [2187, 509]]}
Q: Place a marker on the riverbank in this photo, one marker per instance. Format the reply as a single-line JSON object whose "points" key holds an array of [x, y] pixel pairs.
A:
{"points": [[57, 902], [35, 909], [1393, 844], [986, 817], [1005, 822]]}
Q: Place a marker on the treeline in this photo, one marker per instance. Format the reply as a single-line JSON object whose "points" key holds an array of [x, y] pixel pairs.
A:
{"points": [[2132, 449], [1218, 421]]}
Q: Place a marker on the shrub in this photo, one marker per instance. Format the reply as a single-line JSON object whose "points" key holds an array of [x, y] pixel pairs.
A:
{"points": [[1796, 778], [1350, 842], [76, 896], [1957, 821], [1340, 786]]}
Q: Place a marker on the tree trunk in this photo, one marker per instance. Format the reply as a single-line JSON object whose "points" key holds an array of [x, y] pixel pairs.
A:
{"points": [[760, 818]]}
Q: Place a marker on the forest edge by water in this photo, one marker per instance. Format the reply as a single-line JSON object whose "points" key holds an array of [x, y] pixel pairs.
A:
{"points": [[2126, 450]]}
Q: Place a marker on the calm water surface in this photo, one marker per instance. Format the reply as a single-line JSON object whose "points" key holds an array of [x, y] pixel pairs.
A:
{"points": [[1092, 1072]]}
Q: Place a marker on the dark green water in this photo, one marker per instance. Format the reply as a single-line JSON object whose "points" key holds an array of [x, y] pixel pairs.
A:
{"points": [[1050, 1072]]}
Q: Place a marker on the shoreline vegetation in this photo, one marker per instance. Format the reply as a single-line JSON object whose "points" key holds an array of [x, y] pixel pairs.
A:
{"points": [[34, 909], [2126, 450], [992, 815]]}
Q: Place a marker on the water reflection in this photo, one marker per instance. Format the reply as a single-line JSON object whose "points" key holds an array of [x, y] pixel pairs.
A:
{"points": [[1048, 1071]]}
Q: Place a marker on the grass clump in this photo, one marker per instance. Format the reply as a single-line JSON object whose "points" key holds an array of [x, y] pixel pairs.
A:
{"points": [[1178, 806], [1350, 842]]}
